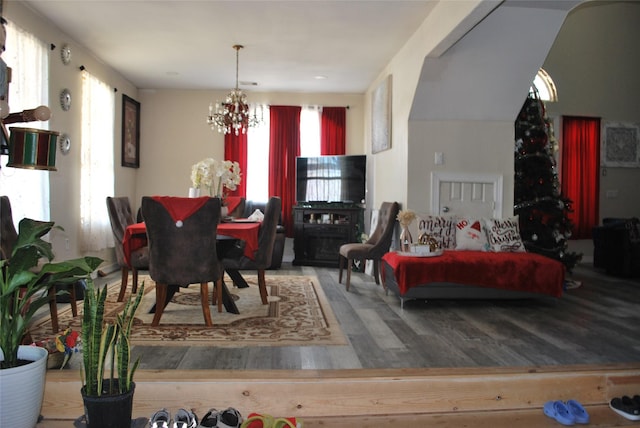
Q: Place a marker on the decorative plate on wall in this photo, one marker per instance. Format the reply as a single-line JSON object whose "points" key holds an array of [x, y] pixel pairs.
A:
{"points": [[65, 99], [65, 144], [65, 54]]}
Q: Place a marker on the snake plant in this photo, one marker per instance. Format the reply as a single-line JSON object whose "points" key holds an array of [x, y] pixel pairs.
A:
{"points": [[105, 346], [24, 286]]}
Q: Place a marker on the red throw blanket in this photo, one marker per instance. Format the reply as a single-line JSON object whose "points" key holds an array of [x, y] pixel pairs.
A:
{"points": [[510, 271]]}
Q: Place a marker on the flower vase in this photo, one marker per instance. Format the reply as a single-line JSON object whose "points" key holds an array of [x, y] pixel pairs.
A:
{"points": [[224, 211], [405, 240], [194, 192]]}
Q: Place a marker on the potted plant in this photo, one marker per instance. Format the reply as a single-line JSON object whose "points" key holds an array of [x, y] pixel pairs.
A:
{"points": [[108, 386], [23, 290]]}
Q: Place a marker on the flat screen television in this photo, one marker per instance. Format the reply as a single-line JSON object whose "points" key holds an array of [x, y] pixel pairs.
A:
{"points": [[331, 179]]}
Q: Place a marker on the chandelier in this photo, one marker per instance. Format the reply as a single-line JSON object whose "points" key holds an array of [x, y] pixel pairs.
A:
{"points": [[233, 114]]}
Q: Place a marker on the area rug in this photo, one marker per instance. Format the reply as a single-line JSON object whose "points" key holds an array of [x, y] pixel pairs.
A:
{"points": [[297, 314]]}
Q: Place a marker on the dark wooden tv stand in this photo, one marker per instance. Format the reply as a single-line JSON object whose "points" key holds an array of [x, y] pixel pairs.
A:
{"points": [[320, 229]]}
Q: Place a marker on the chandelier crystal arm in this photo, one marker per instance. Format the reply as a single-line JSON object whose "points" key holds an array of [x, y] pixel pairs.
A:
{"points": [[233, 114]]}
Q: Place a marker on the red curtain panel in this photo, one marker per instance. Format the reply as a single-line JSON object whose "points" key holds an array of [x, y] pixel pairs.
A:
{"points": [[333, 124], [284, 147], [579, 176], [235, 150]]}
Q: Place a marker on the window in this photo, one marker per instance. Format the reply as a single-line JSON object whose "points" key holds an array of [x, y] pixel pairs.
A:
{"points": [[257, 173], [545, 86], [96, 170], [258, 150], [27, 56]]}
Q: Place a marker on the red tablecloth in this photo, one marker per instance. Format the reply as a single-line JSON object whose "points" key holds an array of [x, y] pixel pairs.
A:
{"points": [[135, 236]]}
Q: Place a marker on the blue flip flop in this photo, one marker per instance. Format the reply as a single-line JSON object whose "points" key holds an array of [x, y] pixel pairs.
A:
{"points": [[579, 413], [559, 411]]}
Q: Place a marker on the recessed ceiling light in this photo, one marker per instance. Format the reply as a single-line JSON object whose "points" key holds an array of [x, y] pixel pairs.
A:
{"points": [[245, 83], [320, 77]]}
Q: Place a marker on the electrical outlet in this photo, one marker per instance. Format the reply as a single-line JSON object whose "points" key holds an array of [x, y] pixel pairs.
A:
{"points": [[438, 158]]}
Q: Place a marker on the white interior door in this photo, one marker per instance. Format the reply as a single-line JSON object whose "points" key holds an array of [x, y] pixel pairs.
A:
{"points": [[461, 194]]}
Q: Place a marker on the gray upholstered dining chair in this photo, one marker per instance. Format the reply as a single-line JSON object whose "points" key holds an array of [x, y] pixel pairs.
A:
{"points": [[238, 210], [121, 216], [182, 241], [376, 246], [8, 239], [266, 240]]}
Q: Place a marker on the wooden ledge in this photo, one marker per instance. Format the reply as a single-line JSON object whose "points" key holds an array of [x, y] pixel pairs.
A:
{"points": [[452, 397]]}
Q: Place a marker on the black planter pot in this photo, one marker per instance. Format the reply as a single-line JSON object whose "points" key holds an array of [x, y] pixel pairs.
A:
{"points": [[108, 411]]}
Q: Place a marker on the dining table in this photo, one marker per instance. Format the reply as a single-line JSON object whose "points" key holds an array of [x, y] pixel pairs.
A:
{"points": [[228, 232]]}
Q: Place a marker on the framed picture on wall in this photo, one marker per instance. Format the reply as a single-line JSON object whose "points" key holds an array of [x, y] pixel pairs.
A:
{"points": [[620, 145], [381, 117], [130, 132]]}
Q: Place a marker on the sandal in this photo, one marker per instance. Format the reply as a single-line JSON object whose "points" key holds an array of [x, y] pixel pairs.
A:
{"points": [[579, 413], [559, 411], [287, 423], [256, 420]]}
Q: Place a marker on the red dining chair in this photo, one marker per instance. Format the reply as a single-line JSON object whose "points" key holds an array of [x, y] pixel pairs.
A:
{"points": [[181, 235]]}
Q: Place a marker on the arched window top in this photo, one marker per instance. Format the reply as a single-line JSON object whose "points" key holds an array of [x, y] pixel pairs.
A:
{"points": [[545, 86]]}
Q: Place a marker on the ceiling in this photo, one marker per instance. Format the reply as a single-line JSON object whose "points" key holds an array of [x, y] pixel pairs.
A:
{"points": [[181, 44]]}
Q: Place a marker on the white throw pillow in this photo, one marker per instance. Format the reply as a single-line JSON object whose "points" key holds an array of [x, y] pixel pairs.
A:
{"points": [[471, 235], [442, 229], [504, 234]]}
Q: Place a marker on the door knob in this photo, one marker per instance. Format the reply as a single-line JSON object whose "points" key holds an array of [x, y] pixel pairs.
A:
{"points": [[445, 209]]}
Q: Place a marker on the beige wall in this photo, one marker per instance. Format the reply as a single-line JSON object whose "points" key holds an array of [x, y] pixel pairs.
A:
{"points": [[65, 182], [595, 62], [462, 103], [175, 135]]}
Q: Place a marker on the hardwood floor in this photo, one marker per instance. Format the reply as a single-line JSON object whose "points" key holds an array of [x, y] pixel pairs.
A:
{"points": [[596, 323]]}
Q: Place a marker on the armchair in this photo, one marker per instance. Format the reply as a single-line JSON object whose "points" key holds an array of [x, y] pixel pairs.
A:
{"points": [[616, 246]]}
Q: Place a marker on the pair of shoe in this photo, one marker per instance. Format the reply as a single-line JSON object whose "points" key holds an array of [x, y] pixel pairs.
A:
{"points": [[229, 418], [567, 413], [627, 407], [183, 419], [256, 420]]}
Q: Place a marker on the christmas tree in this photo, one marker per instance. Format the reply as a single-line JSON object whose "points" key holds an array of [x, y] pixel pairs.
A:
{"points": [[543, 211]]}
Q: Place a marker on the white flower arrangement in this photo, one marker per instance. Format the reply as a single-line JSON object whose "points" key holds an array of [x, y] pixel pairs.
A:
{"points": [[216, 176], [405, 217]]}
